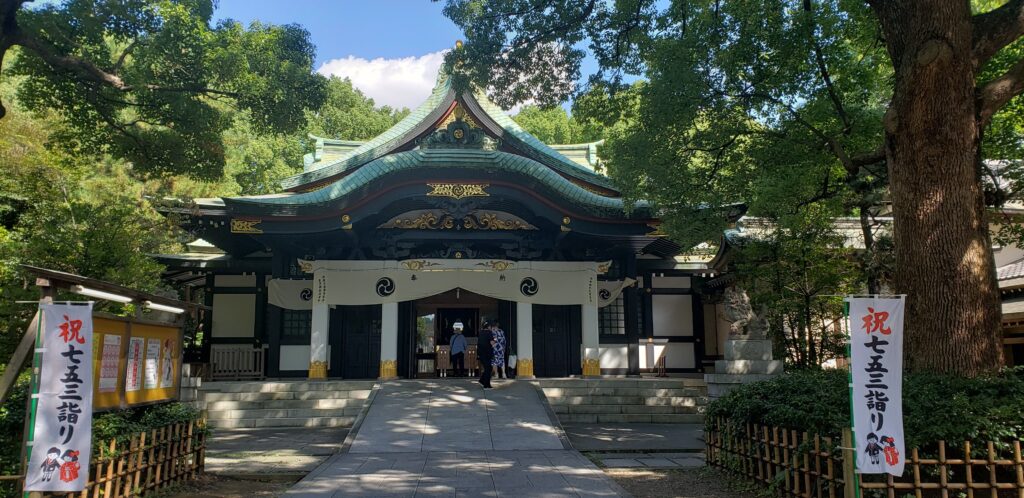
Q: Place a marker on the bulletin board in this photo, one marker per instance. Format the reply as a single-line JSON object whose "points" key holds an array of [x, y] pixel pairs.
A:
{"points": [[134, 363]]}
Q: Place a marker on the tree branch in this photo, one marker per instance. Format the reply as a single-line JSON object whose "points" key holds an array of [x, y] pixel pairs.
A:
{"points": [[996, 29], [819, 57], [996, 93], [81, 67]]}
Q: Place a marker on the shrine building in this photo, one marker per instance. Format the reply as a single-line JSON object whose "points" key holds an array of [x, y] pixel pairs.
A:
{"points": [[363, 262]]}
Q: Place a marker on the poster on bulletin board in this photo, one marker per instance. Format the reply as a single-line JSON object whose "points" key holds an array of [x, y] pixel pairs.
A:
{"points": [[134, 363]]}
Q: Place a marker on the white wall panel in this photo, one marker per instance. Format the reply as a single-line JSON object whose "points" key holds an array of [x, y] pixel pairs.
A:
{"points": [[234, 280], [672, 314], [234, 315], [680, 355], [297, 357], [616, 356], [670, 282]]}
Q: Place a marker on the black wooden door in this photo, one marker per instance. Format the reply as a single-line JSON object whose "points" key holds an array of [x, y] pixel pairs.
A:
{"points": [[557, 334], [360, 341]]}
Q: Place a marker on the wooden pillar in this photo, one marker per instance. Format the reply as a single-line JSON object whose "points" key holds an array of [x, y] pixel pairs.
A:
{"points": [[591, 342], [524, 340], [318, 341], [389, 341]]}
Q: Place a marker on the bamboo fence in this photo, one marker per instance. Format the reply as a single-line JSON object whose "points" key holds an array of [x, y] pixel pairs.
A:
{"points": [[799, 464], [148, 461]]}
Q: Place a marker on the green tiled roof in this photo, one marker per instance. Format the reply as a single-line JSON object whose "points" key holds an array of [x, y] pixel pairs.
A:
{"points": [[482, 160], [318, 168], [533, 147], [379, 145]]}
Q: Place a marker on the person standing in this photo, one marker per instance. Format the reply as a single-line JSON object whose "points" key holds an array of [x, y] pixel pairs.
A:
{"points": [[498, 363], [458, 350], [485, 352]]}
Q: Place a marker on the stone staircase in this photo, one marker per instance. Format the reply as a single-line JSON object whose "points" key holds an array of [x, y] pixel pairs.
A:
{"points": [[659, 401], [233, 405]]}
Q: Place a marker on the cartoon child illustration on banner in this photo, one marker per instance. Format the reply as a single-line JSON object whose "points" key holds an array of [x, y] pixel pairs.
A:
{"points": [[69, 469], [51, 464]]}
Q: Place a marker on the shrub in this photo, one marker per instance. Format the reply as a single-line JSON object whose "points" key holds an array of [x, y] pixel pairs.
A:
{"points": [[935, 407]]}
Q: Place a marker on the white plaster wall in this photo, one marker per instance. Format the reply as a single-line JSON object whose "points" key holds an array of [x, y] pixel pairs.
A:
{"points": [[655, 351], [296, 357], [670, 282], [672, 314], [711, 330], [234, 315], [679, 355], [616, 356], [234, 280]]}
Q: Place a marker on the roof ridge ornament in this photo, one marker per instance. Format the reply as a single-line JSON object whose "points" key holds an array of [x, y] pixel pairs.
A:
{"points": [[460, 133]]}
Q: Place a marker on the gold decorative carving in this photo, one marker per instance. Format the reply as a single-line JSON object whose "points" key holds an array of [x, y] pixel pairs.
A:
{"points": [[417, 264], [458, 254], [603, 268], [427, 220], [314, 188], [591, 367], [492, 221], [345, 218], [566, 220], [388, 369], [318, 370], [245, 226], [524, 368], [458, 190], [497, 265], [460, 114]]}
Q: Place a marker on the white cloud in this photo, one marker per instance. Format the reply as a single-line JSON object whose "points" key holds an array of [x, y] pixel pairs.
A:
{"points": [[404, 82]]}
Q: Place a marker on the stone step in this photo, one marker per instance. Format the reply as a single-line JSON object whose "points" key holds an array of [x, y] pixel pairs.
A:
{"points": [[285, 403], [625, 409], [595, 400], [557, 392], [301, 386], [249, 423], [748, 366], [210, 396], [631, 418], [282, 413], [670, 383]]}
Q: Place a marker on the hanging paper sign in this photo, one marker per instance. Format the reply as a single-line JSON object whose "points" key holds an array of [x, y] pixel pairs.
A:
{"points": [[876, 350], [133, 372], [167, 365], [152, 362], [109, 362], [62, 430]]}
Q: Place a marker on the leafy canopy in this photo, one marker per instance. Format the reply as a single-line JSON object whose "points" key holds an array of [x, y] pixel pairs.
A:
{"points": [[152, 81]]}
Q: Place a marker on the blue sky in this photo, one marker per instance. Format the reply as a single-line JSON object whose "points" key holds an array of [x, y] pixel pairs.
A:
{"points": [[390, 49]]}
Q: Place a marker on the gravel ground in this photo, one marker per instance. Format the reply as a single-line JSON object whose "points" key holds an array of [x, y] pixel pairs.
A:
{"points": [[212, 486], [679, 483]]}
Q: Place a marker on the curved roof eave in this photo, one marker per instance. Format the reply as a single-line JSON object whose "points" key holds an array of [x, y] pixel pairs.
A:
{"points": [[383, 143], [532, 146], [446, 158]]}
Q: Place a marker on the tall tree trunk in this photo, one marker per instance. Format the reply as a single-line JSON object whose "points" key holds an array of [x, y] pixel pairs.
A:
{"points": [[943, 261], [870, 261]]}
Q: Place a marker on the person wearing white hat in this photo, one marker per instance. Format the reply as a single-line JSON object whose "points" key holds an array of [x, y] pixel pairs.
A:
{"points": [[458, 349]]}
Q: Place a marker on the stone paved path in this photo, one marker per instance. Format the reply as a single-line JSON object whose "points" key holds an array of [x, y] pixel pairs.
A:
{"points": [[452, 438]]}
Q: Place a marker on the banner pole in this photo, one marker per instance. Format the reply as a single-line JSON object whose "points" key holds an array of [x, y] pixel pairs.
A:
{"points": [[853, 480], [47, 293]]}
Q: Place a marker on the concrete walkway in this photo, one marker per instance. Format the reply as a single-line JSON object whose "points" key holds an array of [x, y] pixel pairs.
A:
{"points": [[456, 415], [450, 437]]}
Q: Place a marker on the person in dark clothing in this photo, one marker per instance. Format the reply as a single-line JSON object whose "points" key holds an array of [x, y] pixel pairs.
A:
{"points": [[485, 353]]}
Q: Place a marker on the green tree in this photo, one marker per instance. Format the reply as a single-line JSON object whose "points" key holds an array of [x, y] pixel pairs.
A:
{"points": [[347, 114], [735, 88], [793, 268], [552, 125], [141, 80]]}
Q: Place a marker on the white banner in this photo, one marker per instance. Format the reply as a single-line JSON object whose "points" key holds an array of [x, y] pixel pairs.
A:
{"points": [[290, 294], [876, 350], [62, 432], [377, 282]]}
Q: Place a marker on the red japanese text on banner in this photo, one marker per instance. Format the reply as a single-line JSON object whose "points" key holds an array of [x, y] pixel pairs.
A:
{"points": [[63, 421], [876, 350]]}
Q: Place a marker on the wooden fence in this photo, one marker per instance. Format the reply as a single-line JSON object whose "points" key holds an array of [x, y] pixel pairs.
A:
{"points": [[237, 362], [147, 462], [799, 464]]}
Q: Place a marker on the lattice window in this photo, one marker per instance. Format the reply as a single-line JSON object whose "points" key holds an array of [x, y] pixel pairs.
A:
{"points": [[612, 318], [296, 324]]}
